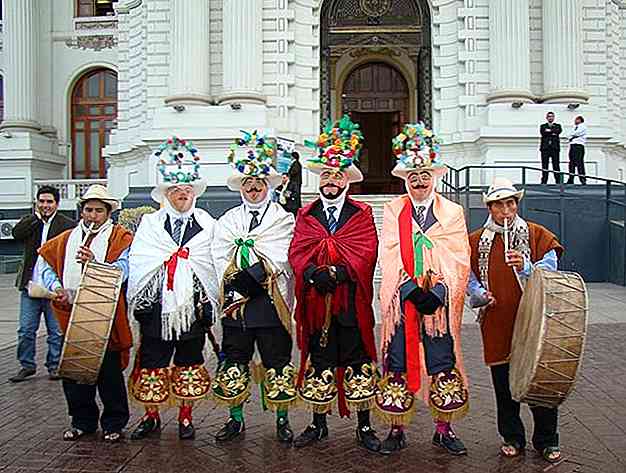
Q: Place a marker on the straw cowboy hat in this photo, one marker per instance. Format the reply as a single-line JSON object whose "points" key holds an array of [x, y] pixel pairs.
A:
{"points": [[501, 188], [417, 149], [251, 156], [178, 165], [338, 147], [99, 192]]}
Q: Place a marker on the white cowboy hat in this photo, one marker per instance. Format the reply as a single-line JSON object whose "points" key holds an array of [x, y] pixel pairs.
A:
{"points": [[234, 181], [352, 172], [99, 192], [501, 188]]}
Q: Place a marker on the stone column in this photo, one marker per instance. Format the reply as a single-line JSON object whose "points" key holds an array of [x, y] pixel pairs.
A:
{"points": [[509, 51], [189, 53], [21, 46], [563, 74], [243, 52]]}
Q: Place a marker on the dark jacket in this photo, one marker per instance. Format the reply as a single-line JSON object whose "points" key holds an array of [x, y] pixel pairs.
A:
{"points": [[150, 318], [550, 136], [28, 231]]}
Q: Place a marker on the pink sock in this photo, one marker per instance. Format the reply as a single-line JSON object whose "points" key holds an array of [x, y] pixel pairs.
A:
{"points": [[442, 427]]}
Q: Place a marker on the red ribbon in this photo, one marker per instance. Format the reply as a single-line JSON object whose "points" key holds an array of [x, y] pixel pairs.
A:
{"points": [[411, 316], [171, 265]]}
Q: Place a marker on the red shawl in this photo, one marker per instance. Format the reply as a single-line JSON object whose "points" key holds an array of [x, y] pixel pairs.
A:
{"points": [[355, 246]]}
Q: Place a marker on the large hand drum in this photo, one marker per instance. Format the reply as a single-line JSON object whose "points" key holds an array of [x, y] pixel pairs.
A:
{"points": [[90, 324], [548, 338]]}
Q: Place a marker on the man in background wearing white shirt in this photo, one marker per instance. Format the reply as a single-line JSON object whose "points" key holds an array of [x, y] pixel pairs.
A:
{"points": [[33, 231], [577, 141]]}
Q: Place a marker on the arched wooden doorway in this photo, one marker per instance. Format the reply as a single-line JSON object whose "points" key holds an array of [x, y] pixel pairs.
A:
{"points": [[376, 95], [94, 113], [375, 62]]}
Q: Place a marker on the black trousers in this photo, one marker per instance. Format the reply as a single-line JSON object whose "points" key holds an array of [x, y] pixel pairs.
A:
{"points": [[550, 156], [157, 353], [344, 348], [81, 398], [510, 424], [274, 344], [577, 163], [438, 351]]}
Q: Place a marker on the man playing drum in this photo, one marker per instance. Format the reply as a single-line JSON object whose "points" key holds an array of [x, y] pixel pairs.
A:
{"points": [[504, 253], [171, 291], [60, 265]]}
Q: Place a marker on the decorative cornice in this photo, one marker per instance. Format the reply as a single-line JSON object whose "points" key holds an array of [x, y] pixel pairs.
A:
{"points": [[123, 8], [94, 42]]}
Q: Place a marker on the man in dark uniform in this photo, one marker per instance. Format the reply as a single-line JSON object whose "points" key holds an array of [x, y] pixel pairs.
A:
{"points": [[250, 255], [171, 291], [333, 255], [550, 148]]}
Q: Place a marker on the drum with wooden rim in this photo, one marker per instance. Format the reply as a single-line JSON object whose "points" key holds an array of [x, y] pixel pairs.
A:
{"points": [[90, 323], [548, 338]]}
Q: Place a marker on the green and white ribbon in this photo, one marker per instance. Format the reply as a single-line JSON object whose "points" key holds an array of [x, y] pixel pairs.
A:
{"points": [[420, 241], [244, 247]]}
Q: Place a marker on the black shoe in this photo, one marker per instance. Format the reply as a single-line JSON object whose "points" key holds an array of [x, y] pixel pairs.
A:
{"points": [[366, 438], [231, 430], [186, 430], [450, 442], [283, 431], [22, 375], [53, 375], [311, 434], [147, 426], [396, 440]]}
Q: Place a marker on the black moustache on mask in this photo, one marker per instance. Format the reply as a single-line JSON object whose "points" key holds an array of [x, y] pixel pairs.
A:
{"points": [[255, 189], [418, 186]]}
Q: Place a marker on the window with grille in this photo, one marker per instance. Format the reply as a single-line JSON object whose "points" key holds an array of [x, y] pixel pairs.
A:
{"points": [[94, 8], [94, 112]]}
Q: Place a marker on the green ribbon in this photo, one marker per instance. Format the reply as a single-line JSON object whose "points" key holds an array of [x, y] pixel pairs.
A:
{"points": [[420, 240], [244, 247]]}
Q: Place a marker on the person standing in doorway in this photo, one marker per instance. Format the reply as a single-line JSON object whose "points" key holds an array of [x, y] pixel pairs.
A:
{"points": [[550, 148], [34, 230], [577, 142]]}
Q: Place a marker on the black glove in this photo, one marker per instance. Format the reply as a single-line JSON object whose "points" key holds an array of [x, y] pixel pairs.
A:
{"points": [[425, 301], [323, 282], [206, 316], [245, 281]]}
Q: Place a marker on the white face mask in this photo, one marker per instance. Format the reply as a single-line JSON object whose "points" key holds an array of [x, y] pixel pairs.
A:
{"points": [[173, 213]]}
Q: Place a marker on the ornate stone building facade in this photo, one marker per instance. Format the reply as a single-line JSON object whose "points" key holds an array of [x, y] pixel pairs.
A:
{"points": [[81, 75]]}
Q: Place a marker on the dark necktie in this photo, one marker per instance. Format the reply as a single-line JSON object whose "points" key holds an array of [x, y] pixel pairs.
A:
{"points": [[255, 220], [420, 217], [332, 221], [178, 225]]}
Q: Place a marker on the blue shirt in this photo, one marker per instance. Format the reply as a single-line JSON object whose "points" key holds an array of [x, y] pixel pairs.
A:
{"points": [[50, 280], [477, 292]]}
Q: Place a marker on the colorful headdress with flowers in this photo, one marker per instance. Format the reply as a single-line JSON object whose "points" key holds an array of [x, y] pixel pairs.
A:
{"points": [[179, 162], [338, 145], [257, 159], [415, 148]]}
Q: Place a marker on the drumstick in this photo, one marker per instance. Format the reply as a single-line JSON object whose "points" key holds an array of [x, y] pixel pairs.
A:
{"points": [[506, 236]]}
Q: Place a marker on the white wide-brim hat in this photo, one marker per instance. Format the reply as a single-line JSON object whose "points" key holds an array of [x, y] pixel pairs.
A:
{"points": [[352, 172], [234, 181], [99, 192], [401, 171], [501, 188], [159, 192]]}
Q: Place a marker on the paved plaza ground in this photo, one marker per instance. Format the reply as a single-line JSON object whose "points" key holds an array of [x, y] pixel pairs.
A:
{"points": [[593, 421]]}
